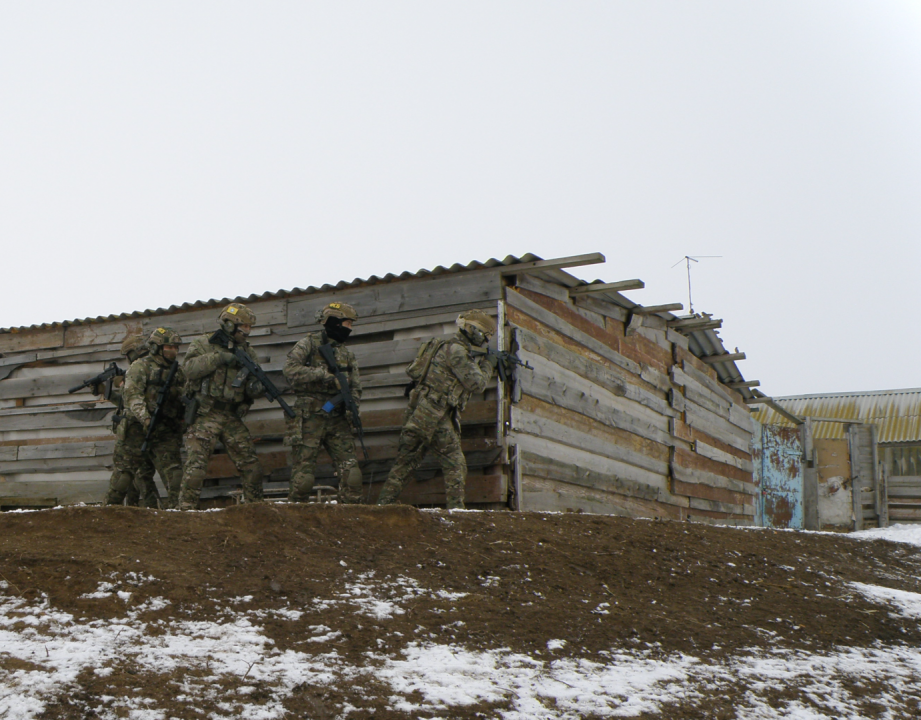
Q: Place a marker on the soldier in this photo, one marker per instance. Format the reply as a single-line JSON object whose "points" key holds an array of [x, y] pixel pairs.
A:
{"points": [[142, 389], [321, 417], [132, 474], [221, 393], [445, 375]]}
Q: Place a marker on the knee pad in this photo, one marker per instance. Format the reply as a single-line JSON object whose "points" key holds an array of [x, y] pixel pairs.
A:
{"points": [[194, 479], [353, 478], [303, 483]]}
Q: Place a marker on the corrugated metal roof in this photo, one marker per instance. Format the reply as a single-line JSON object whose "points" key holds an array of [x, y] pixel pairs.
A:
{"points": [[373, 280], [896, 413]]}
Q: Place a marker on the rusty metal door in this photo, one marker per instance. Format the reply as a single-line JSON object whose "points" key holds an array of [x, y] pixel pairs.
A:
{"points": [[781, 477]]}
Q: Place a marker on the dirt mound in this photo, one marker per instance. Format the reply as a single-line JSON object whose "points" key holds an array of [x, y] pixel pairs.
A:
{"points": [[349, 588]]}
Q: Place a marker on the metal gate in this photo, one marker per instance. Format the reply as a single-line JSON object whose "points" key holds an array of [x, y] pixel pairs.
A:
{"points": [[781, 477]]}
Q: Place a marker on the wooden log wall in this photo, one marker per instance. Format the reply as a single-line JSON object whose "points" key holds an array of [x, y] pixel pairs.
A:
{"points": [[58, 447], [621, 419]]}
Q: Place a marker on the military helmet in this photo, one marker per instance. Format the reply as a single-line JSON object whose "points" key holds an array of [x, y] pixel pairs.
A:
{"points": [[133, 342], [478, 319], [337, 310], [238, 314], [164, 336]]}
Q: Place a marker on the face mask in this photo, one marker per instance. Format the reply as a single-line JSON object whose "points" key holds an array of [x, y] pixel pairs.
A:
{"points": [[336, 330]]}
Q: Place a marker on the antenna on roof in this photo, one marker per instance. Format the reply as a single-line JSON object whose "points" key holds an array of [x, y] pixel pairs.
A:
{"points": [[688, 259]]}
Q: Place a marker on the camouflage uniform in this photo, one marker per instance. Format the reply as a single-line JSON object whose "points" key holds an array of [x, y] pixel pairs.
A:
{"points": [[309, 376], [132, 473], [142, 386], [432, 420], [210, 371], [132, 481]]}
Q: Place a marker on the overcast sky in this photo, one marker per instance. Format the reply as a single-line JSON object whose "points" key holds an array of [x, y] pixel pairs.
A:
{"points": [[157, 153]]}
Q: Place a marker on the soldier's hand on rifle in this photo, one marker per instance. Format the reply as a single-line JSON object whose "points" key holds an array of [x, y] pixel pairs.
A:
{"points": [[118, 381], [254, 388], [228, 358], [330, 380], [98, 389], [145, 421]]}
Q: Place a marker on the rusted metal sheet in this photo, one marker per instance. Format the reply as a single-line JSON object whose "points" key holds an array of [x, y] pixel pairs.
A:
{"points": [[896, 413], [782, 477]]}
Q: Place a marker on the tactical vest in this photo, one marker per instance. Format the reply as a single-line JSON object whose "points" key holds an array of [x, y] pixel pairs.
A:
{"points": [[436, 379], [320, 389], [156, 378], [218, 387]]}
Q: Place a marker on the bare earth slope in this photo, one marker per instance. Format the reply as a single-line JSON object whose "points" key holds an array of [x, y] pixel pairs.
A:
{"points": [[273, 611]]}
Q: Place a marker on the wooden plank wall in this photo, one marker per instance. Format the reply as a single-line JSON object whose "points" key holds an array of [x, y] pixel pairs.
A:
{"points": [[622, 424], [55, 445]]}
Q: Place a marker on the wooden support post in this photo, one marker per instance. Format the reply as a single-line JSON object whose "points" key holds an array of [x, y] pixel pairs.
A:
{"points": [[608, 287], [856, 482], [725, 357], [743, 384], [553, 264], [655, 309], [795, 419]]}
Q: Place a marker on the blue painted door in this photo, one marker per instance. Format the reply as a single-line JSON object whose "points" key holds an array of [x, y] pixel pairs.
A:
{"points": [[781, 477]]}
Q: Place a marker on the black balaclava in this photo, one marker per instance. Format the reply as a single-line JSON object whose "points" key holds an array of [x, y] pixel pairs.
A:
{"points": [[336, 330]]}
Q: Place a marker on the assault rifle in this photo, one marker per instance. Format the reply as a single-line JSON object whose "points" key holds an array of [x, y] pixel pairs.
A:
{"points": [[222, 338], [504, 361], [110, 372], [162, 396], [345, 393]]}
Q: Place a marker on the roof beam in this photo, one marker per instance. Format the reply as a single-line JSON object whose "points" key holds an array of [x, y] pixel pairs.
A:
{"points": [[553, 264], [844, 421], [608, 287], [655, 309], [691, 324], [776, 407], [725, 357], [743, 384]]}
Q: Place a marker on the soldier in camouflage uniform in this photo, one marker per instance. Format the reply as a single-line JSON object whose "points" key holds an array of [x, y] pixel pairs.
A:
{"points": [[316, 387], [132, 474], [445, 374], [142, 388], [223, 391]]}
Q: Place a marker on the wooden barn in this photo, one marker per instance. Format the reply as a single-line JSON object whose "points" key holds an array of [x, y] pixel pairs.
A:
{"points": [[628, 410]]}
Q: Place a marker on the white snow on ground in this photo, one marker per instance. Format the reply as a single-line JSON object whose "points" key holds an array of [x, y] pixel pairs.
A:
{"points": [[909, 534], [424, 677], [53, 648]]}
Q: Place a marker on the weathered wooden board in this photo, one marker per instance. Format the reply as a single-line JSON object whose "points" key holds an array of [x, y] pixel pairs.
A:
{"points": [[15, 342], [615, 381], [539, 494], [517, 300], [551, 469], [449, 289], [591, 401], [708, 451], [65, 450], [715, 426], [707, 492], [531, 424], [687, 475]]}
